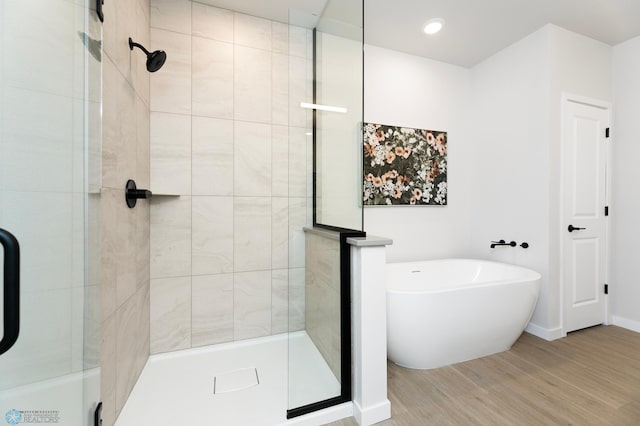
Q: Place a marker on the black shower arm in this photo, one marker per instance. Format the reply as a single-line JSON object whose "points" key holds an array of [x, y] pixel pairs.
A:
{"points": [[133, 44]]}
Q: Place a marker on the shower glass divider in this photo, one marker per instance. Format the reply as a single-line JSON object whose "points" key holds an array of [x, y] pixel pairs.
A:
{"points": [[334, 39]]}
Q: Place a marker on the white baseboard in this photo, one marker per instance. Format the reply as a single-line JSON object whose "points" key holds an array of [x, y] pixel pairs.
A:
{"points": [[373, 414], [629, 324], [545, 333]]}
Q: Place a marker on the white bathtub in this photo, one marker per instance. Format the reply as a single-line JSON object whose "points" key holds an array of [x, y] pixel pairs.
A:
{"points": [[441, 312]]}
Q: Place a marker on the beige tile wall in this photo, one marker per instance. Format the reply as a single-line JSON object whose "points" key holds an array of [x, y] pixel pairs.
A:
{"points": [[322, 309], [125, 245], [228, 137]]}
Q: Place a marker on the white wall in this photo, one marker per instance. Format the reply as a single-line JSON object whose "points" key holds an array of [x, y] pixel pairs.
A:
{"points": [[625, 205], [579, 66], [511, 152], [410, 91], [503, 119], [518, 101]]}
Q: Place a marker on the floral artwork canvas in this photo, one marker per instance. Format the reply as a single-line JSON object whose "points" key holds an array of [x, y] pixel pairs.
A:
{"points": [[404, 166]]}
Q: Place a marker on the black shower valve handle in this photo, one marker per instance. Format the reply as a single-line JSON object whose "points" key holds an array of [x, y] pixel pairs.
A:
{"points": [[132, 194]]}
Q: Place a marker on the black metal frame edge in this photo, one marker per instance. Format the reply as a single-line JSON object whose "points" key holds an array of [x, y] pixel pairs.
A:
{"points": [[345, 312], [314, 130], [310, 408], [335, 228], [362, 125]]}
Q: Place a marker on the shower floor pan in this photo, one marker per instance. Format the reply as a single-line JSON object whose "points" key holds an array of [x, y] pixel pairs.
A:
{"points": [[259, 377]]}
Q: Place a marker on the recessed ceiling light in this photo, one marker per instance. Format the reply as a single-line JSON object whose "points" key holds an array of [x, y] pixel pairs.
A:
{"points": [[433, 26]]}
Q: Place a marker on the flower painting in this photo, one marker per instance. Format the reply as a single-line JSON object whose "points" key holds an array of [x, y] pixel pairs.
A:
{"points": [[404, 166]]}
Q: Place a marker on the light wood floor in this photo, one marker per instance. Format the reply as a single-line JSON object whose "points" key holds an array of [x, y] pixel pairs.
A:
{"points": [[591, 377]]}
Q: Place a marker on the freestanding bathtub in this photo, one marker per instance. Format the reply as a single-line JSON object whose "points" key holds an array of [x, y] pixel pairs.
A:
{"points": [[441, 312]]}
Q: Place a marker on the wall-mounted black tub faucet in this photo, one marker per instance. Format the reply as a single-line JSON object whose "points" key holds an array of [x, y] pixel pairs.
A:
{"points": [[502, 243]]}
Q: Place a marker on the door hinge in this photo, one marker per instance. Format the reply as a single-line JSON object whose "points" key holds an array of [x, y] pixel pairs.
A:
{"points": [[606, 210], [606, 133], [606, 289]]}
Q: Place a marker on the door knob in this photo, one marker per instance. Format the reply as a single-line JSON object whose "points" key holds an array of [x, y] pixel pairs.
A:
{"points": [[572, 228]]}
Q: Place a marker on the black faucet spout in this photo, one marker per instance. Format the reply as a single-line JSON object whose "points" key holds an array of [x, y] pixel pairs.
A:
{"points": [[494, 244]]}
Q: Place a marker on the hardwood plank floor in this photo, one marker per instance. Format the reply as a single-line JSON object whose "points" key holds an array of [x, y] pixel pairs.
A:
{"points": [[591, 377]]}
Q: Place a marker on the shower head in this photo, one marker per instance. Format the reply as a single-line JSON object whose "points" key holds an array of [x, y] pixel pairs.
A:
{"points": [[155, 59]]}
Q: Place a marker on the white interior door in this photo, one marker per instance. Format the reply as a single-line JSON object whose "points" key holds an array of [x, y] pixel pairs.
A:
{"points": [[584, 159]]}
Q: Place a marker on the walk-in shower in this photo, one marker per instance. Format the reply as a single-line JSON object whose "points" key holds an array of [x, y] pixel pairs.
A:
{"points": [[208, 304], [250, 316]]}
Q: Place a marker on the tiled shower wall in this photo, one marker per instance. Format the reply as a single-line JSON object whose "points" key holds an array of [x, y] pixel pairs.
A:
{"points": [[124, 231], [232, 147], [322, 290]]}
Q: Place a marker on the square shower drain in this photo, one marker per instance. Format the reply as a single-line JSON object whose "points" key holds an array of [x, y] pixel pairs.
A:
{"points": [[236, 380]]}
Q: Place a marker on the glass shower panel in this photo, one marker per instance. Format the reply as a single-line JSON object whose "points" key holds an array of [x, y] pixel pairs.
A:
{"points": [[315, 352], [338, 128], [319, 347], [300, 201], [49, 130]]}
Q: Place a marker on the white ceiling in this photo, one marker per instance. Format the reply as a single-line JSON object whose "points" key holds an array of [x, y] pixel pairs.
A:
{"points": [[474, 30]]}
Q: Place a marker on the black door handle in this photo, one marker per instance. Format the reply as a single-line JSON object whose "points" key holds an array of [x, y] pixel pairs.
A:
{"points": [[11, 290], [572, 228]]}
